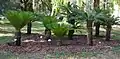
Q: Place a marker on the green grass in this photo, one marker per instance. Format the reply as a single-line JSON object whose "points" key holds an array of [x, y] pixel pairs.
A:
{"points": [[63, 55], [5, 39], [56, 55], [116, 33]]}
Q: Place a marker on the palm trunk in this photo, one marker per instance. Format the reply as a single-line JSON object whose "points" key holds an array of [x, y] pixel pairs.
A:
{"points": [[70, 21], [108, 32], [97, 29], [27, 6], [29, 26], [47, 34], [18, 37], [30, 8], [70, 34], [90, 33], [97, 24]]}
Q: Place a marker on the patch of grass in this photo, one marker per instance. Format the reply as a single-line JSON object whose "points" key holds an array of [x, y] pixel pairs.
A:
{"points": [[7, 55], [116, 49], [88, 54], [5, 39], [116, 34], [63, 55]]}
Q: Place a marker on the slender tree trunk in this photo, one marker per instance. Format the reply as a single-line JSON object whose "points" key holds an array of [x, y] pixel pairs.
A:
{"points": [[90, 33], [30, 8], [97, 24], [108, 32], [18, 37], [29, 26], [104, 5], [27, 5]]}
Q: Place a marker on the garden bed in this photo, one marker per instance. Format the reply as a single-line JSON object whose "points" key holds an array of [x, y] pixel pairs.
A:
{"points": [[78, 44]]}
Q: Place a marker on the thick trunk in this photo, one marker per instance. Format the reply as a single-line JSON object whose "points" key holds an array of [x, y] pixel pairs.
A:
{"points": [[47, 34], [29, 26], [90, 33], [97, 29], [18, 37], [70, 34], [108, 33]]}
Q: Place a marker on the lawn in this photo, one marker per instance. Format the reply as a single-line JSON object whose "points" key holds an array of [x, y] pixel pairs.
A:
{"points": [[7, 34]]}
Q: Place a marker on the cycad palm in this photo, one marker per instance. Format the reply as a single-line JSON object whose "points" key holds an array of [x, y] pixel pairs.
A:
{"points": [[90, 17], [19, 19], [46, 21], [108, 20]]}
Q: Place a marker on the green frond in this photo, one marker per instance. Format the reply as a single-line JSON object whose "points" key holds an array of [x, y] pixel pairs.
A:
{"points": [[49, 20], [60, 30], [19, 18]]}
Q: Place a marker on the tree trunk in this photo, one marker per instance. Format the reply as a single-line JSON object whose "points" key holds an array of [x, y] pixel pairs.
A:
{"points": [[27, 5], [90, 33], [70, 34], [18, 37], [97, 24], [47, 34], [30, 8], [104, 5], [29, 26], [97, 29], [70, 21], [108, 32]]}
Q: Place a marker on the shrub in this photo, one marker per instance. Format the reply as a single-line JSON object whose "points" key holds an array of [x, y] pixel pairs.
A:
{"points": [[19, 19]]}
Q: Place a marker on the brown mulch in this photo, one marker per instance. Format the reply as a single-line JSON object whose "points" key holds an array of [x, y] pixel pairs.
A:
{"points": [[76, 45]]}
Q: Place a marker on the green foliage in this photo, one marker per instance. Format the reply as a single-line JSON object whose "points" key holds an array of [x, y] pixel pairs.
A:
{"points": [[47, 20], [60, 30], [90, 15], [73, 13], [38, 16], [106, 18], [19, 18], [56, 3]]}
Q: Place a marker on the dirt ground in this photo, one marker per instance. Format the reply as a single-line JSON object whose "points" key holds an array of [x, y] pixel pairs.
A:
{"points": [[32, 44]]}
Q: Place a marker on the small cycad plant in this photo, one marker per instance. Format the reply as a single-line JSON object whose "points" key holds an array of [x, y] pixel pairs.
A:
{"points": [[60, 30], [19, 19], [47, 20]]}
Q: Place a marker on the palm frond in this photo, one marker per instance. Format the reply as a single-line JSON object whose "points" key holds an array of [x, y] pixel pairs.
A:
{"points": [[19, 18]]}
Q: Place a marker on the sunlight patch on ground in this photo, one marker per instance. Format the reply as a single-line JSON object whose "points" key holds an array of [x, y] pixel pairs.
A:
{"points": [[8, 34]]}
